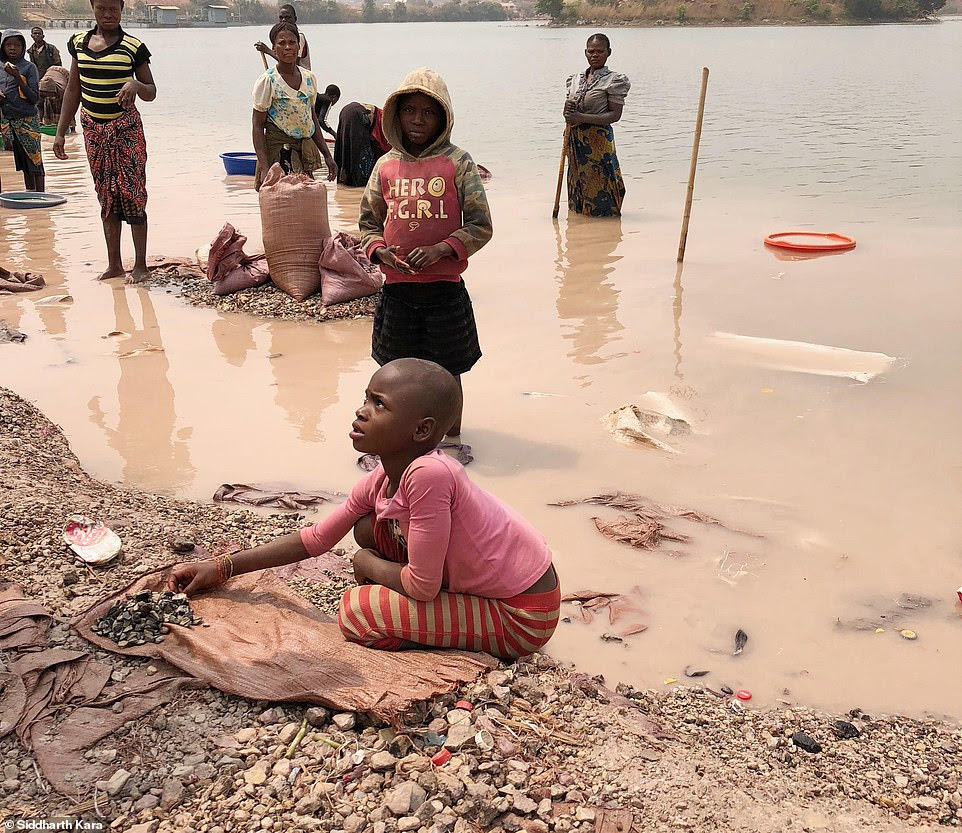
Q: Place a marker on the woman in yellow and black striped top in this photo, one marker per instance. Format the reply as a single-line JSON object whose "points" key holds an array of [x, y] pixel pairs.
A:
{"points": [[104, 73], [110, 71]]}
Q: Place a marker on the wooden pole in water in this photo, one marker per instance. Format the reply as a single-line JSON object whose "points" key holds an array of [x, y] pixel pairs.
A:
{"points": [[561, 172], [694, 161]]}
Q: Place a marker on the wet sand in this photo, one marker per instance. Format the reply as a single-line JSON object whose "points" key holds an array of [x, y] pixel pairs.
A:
{"points": [[661, 761], [853, 486]]}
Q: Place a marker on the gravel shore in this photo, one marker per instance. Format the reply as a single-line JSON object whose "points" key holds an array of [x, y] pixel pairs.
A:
{"points": [[266, 301], [541, 748]]}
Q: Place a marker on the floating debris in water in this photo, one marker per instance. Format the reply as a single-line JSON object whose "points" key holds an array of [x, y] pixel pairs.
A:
{"points": [[741, 638], [802, 357], [690, 673], [633, 425], [144, 617], [910, 601]]}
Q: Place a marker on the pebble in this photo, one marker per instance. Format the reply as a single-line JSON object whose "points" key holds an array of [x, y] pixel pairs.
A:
{"points": [[459, 735], [117, 782], [382, 760], [405, 798], [345, 721], [317, 716], [257, 774]]}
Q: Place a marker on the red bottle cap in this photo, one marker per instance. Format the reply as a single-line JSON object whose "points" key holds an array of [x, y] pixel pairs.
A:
{"points": [[463, 704], [743, 694], [442, 757]]}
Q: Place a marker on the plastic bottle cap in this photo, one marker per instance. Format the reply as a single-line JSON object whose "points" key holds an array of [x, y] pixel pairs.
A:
{"points": [[907, 634], [442, 757], [743, 694], [463, 704]]}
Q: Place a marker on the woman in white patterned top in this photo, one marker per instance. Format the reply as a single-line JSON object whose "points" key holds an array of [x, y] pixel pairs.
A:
{"points": [[284, 112]]}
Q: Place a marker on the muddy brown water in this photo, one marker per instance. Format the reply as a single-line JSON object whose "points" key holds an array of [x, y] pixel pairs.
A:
{"points": [[854, 486]]}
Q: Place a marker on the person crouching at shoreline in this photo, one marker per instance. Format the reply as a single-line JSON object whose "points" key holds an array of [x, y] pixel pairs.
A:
{"points": [[455, 566], [110, 71]]}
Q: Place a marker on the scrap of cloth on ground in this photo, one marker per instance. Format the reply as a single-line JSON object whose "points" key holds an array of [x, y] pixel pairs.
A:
{"points": [[20, 281], [278, 498], [267, 643], [58, 701]]}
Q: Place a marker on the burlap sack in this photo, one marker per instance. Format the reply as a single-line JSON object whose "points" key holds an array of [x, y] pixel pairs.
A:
{"points": [[295, 226], [346, 273]]}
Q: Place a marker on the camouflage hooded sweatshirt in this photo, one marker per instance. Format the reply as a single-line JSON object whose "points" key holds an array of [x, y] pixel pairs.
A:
{"points": [[436, 197]]}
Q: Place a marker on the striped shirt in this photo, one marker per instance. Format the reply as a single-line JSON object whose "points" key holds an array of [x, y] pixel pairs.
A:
{"points": [[103, 73]]}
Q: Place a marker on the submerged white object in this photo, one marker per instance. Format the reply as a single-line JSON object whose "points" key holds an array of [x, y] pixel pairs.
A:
{"points": [[802, 357], [92, 541], [633, 425]]}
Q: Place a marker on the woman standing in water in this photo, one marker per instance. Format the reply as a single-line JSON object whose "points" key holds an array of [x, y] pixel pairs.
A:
{"points": [[109, 72], [595, 101], [284, 111]]}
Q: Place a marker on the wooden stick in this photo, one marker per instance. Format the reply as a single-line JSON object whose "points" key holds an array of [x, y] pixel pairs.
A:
{"points": [[561, 172], [297, 738], [264, 59], [694, 162]]}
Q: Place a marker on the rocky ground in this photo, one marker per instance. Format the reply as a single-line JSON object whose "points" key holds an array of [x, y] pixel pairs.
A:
{"points": [[533, 746], [266, 301]]}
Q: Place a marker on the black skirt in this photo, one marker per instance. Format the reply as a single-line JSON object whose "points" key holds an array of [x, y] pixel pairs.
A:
{"points": [[433, 321]]}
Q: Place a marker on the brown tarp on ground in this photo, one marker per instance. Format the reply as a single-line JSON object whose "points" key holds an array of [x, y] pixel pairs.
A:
{"points": [[59, 701], [262, 641]]}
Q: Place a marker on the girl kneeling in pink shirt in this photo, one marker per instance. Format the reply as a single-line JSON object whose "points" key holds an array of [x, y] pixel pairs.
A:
{"points": [[442, 562]]}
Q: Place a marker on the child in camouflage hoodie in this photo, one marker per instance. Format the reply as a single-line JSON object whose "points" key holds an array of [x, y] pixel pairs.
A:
{"points": [[423, 213]]}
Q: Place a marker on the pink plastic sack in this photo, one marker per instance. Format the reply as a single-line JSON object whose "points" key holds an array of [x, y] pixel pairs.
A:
{"points": [[346, 273], [228, 268], [295, 225]]}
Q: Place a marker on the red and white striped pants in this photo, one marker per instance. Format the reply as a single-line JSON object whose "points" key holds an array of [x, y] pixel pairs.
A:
{"points": [[379, 617]]}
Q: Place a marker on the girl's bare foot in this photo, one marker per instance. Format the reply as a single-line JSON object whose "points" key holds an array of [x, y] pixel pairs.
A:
{"points": [[138, 274], [111, 272]]}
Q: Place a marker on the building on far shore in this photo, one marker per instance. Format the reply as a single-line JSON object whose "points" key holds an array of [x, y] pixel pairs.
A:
{"points": [[217, 15], [162, 15]]}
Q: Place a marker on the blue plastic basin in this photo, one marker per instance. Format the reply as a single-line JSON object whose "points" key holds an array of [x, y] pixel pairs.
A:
{"points": [[240, 163]]}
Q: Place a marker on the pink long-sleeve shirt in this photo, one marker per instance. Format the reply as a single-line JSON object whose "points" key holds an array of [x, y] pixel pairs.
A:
{"points": [[459, 537]]}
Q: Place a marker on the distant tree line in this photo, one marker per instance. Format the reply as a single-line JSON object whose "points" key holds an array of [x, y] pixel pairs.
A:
{"points": [[602, 12], [308, 11], [330, 11]]}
